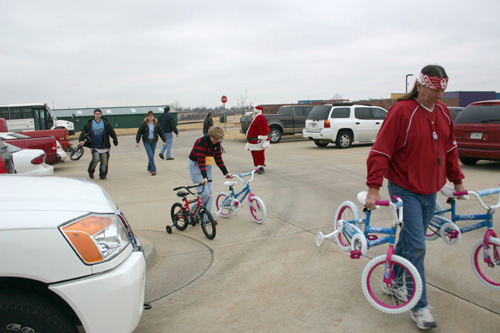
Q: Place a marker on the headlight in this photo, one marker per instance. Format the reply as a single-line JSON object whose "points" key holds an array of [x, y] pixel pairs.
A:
{"points": [[96, 238]]}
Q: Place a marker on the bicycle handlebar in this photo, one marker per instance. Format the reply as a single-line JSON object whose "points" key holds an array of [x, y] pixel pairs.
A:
{"points": [[188, 187], [245, 174], [480, 194], [396, 206]]}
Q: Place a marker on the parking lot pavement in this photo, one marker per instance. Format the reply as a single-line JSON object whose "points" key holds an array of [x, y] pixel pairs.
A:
{"points": [[271, 277]]}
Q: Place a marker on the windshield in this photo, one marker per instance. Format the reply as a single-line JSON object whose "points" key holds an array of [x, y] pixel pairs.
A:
{"points": [[51, 113], [11, 148], [477, 114]]}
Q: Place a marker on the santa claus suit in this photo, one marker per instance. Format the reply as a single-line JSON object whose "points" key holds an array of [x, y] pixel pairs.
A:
{"points": [[258, 138]]}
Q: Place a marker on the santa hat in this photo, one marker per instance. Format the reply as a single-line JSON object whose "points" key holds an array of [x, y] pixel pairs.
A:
{"points": [[258, 109]]}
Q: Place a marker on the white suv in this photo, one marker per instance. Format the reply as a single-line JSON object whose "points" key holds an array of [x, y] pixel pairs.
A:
{"points": [[343, 124], [69, 261]]}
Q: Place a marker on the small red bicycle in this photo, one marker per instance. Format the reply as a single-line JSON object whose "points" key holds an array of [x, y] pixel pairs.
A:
{"points": [[182, 215]]}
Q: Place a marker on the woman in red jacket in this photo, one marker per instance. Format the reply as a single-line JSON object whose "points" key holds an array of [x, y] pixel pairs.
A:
{"points": [[416, 151]]}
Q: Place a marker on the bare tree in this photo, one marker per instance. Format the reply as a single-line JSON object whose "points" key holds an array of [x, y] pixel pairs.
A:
{"points": [[176, 106], [242, 102]]}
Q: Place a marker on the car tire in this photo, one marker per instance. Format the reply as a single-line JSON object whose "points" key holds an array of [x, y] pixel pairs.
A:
{"points": [[468, 160], [344, 139], [28, 312], [321, 143], [275, 135]]}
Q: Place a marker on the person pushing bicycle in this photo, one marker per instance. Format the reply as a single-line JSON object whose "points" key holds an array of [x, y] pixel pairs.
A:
{"points": [[416, 151], [206, 150]]}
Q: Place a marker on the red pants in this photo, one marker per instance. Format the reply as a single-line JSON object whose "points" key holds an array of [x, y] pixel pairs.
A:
{"points": [[259, 159]]}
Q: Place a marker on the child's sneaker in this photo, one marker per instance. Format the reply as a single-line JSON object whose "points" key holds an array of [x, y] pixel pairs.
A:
{"points": [[423, 318]]}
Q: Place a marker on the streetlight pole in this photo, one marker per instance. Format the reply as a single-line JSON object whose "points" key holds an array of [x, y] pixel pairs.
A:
{"points": [[407, 82]]}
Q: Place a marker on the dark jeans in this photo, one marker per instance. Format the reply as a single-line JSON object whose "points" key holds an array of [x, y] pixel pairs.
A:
{"points": [[103, 158]]}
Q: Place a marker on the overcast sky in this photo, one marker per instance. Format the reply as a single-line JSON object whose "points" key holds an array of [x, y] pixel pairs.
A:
{"points": [[191, 52]]}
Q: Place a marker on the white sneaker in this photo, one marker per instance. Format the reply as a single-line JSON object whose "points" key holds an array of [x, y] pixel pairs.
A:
{"points": [[400, 293], [423, 318]]}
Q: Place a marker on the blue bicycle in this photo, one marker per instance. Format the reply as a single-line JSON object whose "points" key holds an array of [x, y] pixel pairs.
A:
{"points": [[485, 255], [230, 203], [390, 282]]}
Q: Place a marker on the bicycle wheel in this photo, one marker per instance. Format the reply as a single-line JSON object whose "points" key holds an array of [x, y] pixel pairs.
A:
{"points": [[488, 274], [179, 216], [76, 154], [207, 223], [435, 224], [258, 209], [406, 282], [224, 208], [347, 211]]}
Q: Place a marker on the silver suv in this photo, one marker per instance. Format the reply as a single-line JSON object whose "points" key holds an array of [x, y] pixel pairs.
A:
{"points": [[343, 124]]}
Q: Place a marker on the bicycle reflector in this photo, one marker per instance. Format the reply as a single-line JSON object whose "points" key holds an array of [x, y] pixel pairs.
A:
{"points": [[96, 238]]}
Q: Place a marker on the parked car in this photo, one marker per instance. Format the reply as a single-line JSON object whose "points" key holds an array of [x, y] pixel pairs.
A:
{"points": [[30, 161], [70, 260], [343, 124], [290, 119], [455, 111], [48, 144], [6, 160], [477, 130]]}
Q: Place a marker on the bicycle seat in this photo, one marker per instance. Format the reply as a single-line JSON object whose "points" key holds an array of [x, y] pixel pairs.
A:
{"points": [[448, 190], [229, 184], [182, 194]]}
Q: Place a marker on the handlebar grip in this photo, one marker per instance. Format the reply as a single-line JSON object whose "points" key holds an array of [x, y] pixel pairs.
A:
{"points": [[177, 188], [382, 203], [395, 198], [245, 174], [460, 193]]}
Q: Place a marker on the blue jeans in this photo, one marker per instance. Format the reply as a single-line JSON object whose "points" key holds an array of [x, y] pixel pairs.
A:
{"points": [[418, 210], [150, 147], [103, 168], [168, 147], [196, 177]]}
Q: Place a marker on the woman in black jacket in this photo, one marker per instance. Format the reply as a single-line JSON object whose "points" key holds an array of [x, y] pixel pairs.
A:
{"points": [[149, 130]]}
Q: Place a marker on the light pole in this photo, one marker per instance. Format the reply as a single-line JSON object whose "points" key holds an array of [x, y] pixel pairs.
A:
{"points": [[407, 82]]}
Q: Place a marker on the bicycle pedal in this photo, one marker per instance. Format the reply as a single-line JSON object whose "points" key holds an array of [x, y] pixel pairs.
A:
{"points": [[372, 237], [453, 234], [355, 254]]}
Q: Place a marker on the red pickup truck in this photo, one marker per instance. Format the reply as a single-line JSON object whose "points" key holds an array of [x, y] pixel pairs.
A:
{"points": [[61, 135], [47, 144]]}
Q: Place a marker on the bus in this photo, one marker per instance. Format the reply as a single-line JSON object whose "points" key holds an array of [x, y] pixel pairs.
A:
{"points": [[32, 117]]}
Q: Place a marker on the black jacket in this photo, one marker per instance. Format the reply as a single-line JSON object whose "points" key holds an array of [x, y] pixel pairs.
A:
{"points": [[207, 123], [144, 131], [108, 132], [167, 123]]}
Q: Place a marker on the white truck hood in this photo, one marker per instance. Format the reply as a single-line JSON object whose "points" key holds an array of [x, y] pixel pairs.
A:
{"points": [[61, 196]]}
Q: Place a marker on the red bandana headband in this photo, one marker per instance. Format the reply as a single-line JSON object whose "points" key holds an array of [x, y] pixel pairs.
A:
{"points": [[438, 83]]}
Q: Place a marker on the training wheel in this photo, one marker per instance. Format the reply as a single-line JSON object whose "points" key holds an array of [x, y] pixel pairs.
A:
{"points": [[169, 229], [450, 233], [319, 238]]}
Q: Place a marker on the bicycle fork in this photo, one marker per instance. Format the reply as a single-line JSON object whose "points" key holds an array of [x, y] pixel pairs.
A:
{"points": [[496, 254], [388, 271]]}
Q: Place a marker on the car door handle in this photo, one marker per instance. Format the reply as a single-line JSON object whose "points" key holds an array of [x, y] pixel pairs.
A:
{"points": [[357, 123], [377, 123]]}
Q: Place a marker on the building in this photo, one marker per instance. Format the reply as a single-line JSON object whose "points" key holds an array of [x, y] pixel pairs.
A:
{"points": [[118, 117]]}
